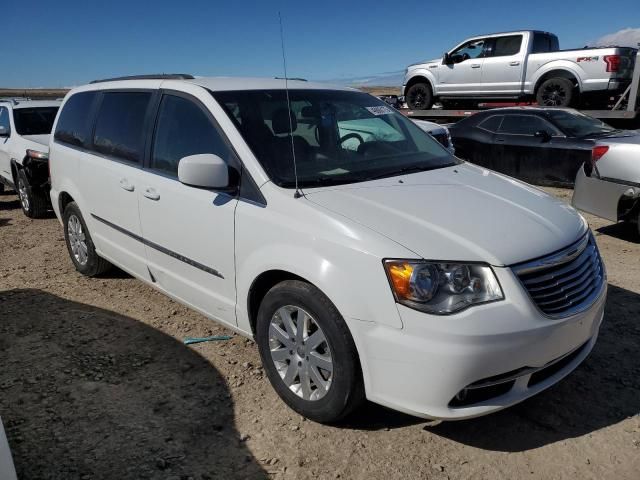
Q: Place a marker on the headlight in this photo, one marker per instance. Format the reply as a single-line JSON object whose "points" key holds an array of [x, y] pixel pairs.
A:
{"points": [[441, 288]]}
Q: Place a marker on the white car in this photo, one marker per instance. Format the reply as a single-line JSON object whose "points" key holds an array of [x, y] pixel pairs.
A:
{"points": [[24, 146], [609, 185], [437, 131], [392, 271]]}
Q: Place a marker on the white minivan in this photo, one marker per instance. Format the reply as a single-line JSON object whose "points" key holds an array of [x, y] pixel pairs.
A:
{"points": [[387, 270]]}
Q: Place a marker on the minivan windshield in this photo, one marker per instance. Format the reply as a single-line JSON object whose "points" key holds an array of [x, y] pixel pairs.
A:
{"points": [[576, 124], [337, 136], [34, 121]]}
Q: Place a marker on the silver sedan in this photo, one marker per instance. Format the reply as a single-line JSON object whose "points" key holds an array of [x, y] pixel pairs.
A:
{"points": [[609, 185]]}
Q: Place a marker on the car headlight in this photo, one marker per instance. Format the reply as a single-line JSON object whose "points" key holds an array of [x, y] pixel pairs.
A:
{"points": [[441, 288]]}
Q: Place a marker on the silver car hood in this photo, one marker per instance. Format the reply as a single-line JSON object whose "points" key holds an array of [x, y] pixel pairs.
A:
{"points": [[463, 213]]}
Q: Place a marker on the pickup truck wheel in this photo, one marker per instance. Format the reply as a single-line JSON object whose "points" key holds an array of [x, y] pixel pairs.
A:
{"points": [[79, 244], [555, 92], [308, 352], [33, 202], [419, 96]]}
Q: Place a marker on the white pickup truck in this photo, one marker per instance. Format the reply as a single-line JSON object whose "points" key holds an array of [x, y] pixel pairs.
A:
{"points": [[516, 65]]}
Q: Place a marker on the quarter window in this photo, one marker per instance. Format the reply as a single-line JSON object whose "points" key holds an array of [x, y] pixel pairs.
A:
{"points": [[74, 126], [526, 125], [120, 125], [183, 129]]}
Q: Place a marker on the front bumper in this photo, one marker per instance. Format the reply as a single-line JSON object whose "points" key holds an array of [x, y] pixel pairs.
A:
{"points": [[421, 368]]}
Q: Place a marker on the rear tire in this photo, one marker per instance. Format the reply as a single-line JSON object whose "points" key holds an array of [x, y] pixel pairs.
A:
{"points": [[79, 244], [555, 92], [295, 362], [34, 202], [419, 96]]}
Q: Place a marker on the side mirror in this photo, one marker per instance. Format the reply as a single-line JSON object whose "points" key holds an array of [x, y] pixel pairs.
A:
{"points": [[4, 131], [205, 170], [446, 58], [543, 134]]}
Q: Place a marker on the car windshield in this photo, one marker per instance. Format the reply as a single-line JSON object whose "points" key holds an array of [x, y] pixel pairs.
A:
{"points": [[34, 121], [338, 136], [577, 124]]}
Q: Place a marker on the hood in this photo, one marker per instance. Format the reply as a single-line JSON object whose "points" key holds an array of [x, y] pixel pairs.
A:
{"points": [[462, 213], [41, 140], [430, 127], [420, 64], [626, 137]]}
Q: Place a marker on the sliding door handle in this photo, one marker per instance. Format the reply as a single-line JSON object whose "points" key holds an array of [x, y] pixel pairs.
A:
{"points": [[151, 193], [125, 185], [514, 63], [475, 65]]}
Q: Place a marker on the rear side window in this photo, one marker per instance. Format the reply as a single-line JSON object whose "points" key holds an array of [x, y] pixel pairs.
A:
{"points": [[73, 126], [492, 123], [505, 46], [543, 43], [183, 129], [525, 125], [120, 125]]}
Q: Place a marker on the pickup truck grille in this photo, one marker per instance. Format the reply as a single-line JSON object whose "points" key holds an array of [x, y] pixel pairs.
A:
{"points": [[566, 282], [441, 138]]}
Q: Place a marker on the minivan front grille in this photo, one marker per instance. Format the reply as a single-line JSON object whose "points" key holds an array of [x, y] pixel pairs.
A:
{"points": [[565, 282]]}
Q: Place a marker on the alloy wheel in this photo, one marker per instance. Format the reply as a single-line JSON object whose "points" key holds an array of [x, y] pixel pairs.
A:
{"points": [[77, 240], [300, 353], [24, 196], [554, 95]]}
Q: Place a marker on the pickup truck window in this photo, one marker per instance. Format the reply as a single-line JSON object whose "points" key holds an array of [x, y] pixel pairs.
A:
{"points": [[526, 125], [338, 137], [505, 46], [544, 43], [471, 49], [34, 121]]}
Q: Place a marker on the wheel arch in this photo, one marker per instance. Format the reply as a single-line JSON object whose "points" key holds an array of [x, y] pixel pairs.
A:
{"points": [[558, 72], [64, 199], [420, 78], [628, 207]]}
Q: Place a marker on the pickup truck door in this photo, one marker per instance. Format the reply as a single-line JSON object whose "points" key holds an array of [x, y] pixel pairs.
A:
{"points": [[463, 75], [503, 66]]}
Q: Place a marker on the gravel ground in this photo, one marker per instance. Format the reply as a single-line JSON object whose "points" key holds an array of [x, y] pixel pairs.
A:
{"points": [[95, 383]]}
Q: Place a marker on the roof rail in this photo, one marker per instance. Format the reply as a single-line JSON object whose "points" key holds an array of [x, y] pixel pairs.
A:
{"points": [[153, 76]]}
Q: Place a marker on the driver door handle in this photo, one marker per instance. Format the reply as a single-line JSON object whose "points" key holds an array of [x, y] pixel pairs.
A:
{"points": [[151, 193], [515, 63], [475, 65]]}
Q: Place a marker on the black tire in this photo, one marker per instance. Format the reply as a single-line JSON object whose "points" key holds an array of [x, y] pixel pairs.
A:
{"points": [[346, 390], [1, 188], [555, 92], [94, 264], [34, 202], [419, 96]]}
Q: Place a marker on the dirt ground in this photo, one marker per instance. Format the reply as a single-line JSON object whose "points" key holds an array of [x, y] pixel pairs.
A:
{"points": [[95, 383]]}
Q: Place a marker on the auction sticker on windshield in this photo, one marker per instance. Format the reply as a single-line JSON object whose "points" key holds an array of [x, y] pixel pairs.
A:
{"points": [[380, 110]]}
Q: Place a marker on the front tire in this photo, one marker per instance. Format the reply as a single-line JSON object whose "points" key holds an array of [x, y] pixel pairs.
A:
{"points": [[79, 244], [308, 352], [555, 92], [419, 96], [34, 203]]}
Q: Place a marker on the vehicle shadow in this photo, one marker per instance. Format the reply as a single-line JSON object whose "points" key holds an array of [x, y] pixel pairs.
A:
{"points": [[9, 205], [601, 392], [622, 231], [88, 393]]}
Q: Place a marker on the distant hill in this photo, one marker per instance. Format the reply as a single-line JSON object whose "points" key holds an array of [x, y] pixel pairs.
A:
{"points": [[386, 79]]}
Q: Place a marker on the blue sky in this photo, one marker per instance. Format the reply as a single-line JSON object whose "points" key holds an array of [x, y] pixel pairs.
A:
{"points": [[74, 42]]}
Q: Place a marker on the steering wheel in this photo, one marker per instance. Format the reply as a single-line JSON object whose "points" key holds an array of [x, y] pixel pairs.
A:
{"points": [[351, 135], [465, 56]]}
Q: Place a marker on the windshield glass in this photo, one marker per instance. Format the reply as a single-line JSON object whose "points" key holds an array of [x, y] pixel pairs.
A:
{"points": [[34, 121], [577, 124], [338, 136]]}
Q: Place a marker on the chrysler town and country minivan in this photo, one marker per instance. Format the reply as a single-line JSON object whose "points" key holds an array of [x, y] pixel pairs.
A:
{"points": [[366, 265]]}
